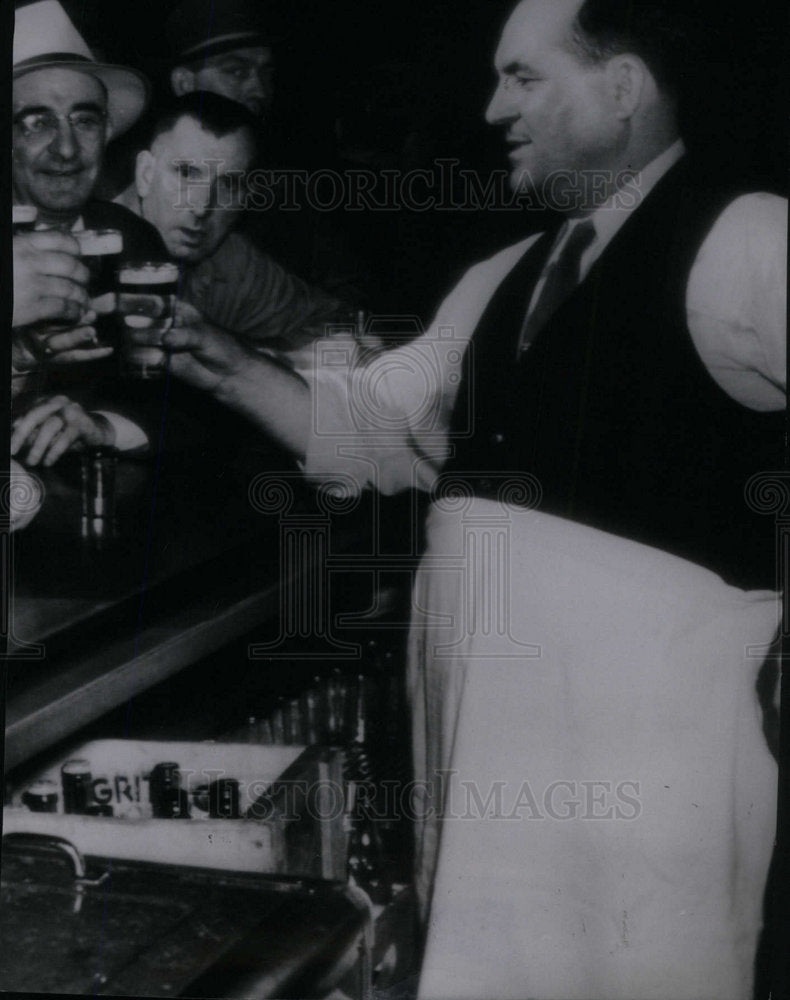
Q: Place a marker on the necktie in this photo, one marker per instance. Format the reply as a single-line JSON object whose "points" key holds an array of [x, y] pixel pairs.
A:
{"points": [[562, 278]]}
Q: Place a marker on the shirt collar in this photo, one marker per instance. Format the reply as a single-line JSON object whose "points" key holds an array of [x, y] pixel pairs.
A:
{"points": [[608, 219]]}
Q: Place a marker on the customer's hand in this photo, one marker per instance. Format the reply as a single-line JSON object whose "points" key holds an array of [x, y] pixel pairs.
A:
{"points": [[32, 345], [53, 426], [260, 388], [50, 280]]}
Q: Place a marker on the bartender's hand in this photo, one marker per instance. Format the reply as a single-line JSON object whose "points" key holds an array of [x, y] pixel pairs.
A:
{"points": [[201, 353], [260, 388], [53, 426]]}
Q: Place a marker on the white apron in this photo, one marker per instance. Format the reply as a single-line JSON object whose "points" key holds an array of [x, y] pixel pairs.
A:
{"points": [[611, 803]]}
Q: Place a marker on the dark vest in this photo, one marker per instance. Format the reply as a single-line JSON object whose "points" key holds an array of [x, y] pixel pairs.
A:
{"points": [[612, 408]]}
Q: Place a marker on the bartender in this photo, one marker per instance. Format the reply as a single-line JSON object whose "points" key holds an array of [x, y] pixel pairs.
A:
{"points": [[627, 370]]}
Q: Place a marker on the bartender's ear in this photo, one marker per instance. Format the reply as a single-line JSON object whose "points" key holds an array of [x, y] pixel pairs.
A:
{"points": [[182, 80], [144, 172], [630, 83]]}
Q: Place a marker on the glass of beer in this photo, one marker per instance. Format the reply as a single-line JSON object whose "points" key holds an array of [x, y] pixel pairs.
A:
{"points": [[146, 301], [98, 248], [95, 246]]}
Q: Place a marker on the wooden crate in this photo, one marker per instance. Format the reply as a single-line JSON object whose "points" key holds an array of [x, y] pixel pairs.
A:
{"points": [[291, 799]]}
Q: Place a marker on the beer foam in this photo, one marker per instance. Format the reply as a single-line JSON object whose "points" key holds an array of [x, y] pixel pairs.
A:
{"points": [[99, 242], [76, 766], [148, 274], [23, 214], [139, 322]]}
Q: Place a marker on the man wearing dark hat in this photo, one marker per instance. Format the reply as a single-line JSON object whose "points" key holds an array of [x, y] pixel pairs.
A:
{"points": [[227, 48], [224, 48], [66, 108]]}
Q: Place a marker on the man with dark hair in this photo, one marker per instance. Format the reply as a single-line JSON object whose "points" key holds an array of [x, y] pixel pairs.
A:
{"points": [[229, 48], [599, 141], [661, 34], [218, 115], [189, 183], [591, 617]]}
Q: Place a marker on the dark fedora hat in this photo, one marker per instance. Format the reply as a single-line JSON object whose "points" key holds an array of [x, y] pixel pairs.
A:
{"points": [[196, 29]]}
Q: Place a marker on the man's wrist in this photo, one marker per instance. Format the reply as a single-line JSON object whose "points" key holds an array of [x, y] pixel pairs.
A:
{"points": [[241, 377], [234, 388], [273, 398]]}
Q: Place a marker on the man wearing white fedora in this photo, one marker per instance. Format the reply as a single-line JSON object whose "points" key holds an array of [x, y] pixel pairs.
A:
{"points": [[66, 108]]}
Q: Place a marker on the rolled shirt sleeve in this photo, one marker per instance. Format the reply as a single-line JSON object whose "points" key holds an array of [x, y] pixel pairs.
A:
{"points": [[737, 301], [128, 436], [385, 423], [383, 420]]}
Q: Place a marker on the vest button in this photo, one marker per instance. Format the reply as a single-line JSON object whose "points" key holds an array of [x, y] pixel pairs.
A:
{"points": [[497, 439]]}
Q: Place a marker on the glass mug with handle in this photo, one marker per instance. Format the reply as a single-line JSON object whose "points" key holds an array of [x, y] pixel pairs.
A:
{"points": [[96, 245], [147, 294]]}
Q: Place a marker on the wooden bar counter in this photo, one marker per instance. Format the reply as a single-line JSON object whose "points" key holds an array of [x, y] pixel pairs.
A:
{"points": [[198, 565]]}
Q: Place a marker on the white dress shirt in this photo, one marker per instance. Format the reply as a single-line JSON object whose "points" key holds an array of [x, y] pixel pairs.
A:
{"points": [[386, 424]]}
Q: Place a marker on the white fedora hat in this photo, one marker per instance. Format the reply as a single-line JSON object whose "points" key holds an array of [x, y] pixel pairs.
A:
{"points": [[44, 37]]}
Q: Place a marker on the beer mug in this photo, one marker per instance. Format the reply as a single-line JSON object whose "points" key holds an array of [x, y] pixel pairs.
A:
{"points": [[146, 301], [96, 245]]}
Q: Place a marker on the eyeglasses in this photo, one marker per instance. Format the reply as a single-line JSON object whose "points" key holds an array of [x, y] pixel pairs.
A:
{"points": [[43, 125]]}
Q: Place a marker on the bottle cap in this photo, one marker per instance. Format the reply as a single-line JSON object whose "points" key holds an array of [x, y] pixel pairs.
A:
{"points": [[43, 789], [76, 766]]}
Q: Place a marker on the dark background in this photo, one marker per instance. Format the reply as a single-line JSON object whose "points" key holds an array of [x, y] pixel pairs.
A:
{"points": [[425, 67], [738, 82]]}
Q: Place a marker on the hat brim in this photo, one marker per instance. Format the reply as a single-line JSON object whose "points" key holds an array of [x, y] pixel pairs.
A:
{"points": [[220, 46], [128, 92]]}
